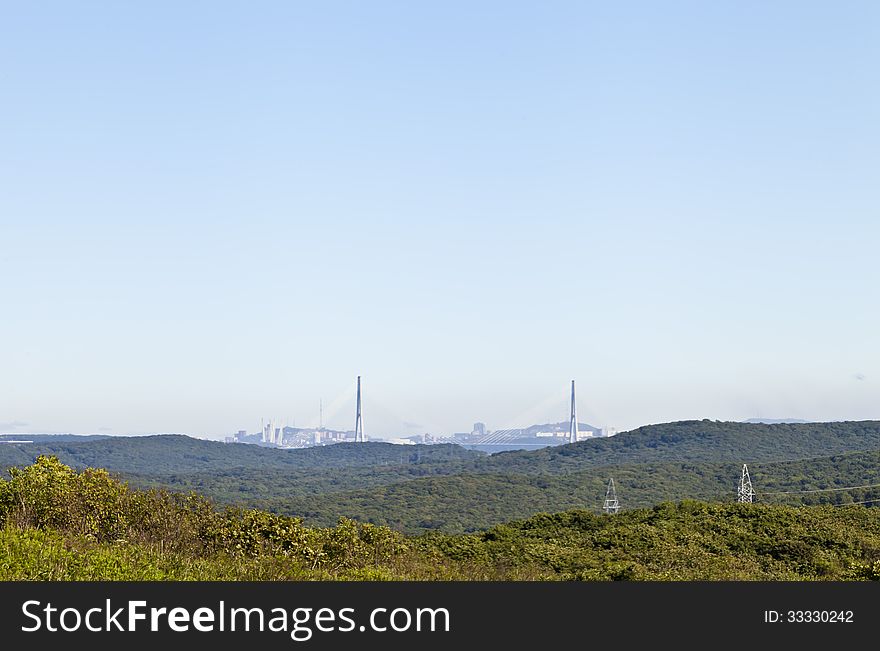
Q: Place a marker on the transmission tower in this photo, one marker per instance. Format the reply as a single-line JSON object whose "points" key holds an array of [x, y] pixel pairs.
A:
{"points": [[745, 493], [359, 421], [573, 425], [611, 504]]}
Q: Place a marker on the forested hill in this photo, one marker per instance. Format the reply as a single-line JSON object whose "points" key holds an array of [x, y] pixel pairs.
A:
{"points": [[167, 454], [683, 442], [59, 524], [447, 488], [474, 501], [694, 441]]}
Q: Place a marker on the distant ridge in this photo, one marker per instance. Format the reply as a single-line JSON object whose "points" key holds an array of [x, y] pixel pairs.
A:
{"points": [[54, 438], [178, 454], [682, 441], [776, 421], [445, 487]]}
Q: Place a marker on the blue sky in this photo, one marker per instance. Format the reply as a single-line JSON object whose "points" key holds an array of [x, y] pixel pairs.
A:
{"points": [[216, 212]]}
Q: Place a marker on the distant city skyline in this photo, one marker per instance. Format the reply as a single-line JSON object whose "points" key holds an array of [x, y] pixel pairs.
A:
{"points": [[212, 215], [389, 430]]}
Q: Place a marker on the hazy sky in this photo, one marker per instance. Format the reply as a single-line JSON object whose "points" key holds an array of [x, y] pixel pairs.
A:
{"points": [[213, 212]]}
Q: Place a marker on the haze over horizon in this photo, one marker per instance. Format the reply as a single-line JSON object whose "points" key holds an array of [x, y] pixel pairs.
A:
{"points": [[379, 437], [215, 214]]}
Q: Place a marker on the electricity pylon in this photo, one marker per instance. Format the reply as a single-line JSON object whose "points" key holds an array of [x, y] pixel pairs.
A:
{"points": [[745, 493], [611, 504]]}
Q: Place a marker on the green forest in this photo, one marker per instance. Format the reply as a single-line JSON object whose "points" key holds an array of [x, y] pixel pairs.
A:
{"points": [[683, 441], [445, 488], [58, 523]]}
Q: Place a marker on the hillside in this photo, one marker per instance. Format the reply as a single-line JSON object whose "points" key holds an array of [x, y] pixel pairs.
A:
{"points": [[422, 497], [447, 488], [473, 501], [166, 454], [693, 441], [684, 441], [59, 524], [687, 541]]}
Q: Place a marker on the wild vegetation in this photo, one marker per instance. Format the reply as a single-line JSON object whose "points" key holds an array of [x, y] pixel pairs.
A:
{"points": [[57, 523], [62, 524]]}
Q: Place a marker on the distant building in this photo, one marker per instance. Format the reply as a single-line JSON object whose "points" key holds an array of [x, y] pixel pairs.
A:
{"points": [[480, 438], [243, 437], [432, 439], [529, 438]]}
